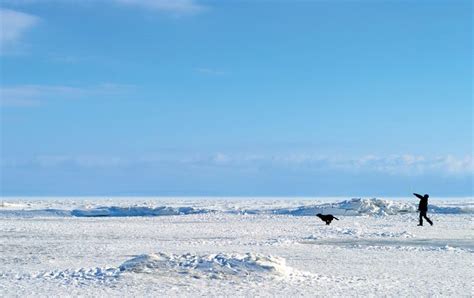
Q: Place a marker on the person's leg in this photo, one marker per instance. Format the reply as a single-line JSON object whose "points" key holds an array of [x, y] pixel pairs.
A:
{"points": [[421, 218], [427, 219]]}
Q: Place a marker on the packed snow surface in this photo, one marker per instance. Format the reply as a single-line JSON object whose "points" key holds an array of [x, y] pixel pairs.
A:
{"points": [[234, 246]]}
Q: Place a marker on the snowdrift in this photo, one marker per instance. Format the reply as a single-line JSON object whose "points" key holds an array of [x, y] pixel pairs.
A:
{"points": [[210, 266], [213, 266]]}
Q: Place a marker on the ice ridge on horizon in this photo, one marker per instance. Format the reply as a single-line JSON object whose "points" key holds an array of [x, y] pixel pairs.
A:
{"points": [[351, 207]]}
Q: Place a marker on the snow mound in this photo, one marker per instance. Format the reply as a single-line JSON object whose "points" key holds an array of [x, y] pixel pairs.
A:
{"points": [[214, 266], [135, 211], [376, 206], [97, 274]]}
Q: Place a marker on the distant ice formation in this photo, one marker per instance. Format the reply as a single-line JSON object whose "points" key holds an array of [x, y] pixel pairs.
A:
{"points": [[351, 207], [354, 206], [135, 211]]}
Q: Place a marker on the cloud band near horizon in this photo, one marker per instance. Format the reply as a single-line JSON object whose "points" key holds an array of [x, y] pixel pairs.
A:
{"points": [[405, 165]]}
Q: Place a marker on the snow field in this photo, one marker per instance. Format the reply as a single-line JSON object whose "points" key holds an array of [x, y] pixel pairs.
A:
{"points": [[223, 253]]}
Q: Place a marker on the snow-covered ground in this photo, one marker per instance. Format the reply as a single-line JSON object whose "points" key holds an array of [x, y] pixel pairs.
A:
{"points": [[191, 246]]}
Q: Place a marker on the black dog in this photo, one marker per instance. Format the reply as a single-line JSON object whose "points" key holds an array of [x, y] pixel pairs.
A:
{"points": [[327, 218]]}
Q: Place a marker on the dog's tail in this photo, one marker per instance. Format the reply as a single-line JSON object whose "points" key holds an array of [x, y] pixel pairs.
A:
{"points": [[336, 218]]}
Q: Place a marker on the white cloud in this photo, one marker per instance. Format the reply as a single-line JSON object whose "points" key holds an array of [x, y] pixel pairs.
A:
{"points": [[306, 164], [405, 164], [177, 7], [13, 25], [456, 165], [35, 95], [174, 7], [85, 161]]}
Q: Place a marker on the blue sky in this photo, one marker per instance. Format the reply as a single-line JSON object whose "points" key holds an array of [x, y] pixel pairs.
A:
{"points": [[291, 98]]}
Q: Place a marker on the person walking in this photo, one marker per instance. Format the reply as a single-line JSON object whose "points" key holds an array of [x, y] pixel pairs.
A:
{"points": [[423, 208]]}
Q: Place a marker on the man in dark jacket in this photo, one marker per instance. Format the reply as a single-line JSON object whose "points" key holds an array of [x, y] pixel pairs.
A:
{"points": [[423, 208]]}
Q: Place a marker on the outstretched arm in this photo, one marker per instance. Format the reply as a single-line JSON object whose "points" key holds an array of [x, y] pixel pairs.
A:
{"points": [[418, 196]]}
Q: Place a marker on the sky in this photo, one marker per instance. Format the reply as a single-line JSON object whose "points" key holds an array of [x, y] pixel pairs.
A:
{"points": [[236, 98]]}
